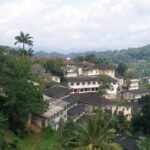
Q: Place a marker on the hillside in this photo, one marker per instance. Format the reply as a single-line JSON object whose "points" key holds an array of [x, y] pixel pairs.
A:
{"points": [[137, 59]]}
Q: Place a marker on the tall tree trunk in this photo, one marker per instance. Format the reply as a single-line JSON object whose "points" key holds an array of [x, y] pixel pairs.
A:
{"points": [[23, 46]]}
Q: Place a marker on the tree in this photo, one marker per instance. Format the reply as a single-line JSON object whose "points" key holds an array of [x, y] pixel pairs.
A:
{"points": [[104, 84], [91, 58], [144, 145], [90, 135], [144, 102], [141, 121], [120, 123], [79, 58], [121, 69], [30, 52], [3, 143], [24, 39], [54, 66], [22, 97]]}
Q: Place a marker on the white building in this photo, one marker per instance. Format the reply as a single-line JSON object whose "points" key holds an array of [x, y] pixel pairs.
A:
{"points": [[134, 84], [90, 84], [135, 94], [128, 109], [61, 105], [83, 84]]}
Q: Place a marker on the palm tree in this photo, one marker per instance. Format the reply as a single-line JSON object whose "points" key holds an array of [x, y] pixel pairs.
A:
{"points": [[90, 135], [30, 52], [24, 39]]}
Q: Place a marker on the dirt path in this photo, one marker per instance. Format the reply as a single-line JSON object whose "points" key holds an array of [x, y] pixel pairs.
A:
{"points": [[38, 139]]}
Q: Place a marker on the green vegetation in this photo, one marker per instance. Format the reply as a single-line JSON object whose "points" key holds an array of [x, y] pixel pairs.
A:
{"points": [[144, 145], [104, 84], [137, 59], [92, 135], [121, 69], [25, 39], [141, 120], [20, 99]]}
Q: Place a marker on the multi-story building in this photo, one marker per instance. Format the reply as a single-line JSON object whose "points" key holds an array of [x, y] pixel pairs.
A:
{"points": [[61, 105], [89, 71], [128, 109], [135, 94], [133, 84], [83, 84], [90, 84]]}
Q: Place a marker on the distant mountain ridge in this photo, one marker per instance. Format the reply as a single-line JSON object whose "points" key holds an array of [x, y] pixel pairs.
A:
{"points": [[137, 59]]}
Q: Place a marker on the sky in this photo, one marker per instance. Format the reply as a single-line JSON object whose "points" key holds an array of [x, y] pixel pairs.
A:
{"points": [[75, 25]]}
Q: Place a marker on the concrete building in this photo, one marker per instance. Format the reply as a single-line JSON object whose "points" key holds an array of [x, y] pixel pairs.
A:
{"points": [[128, 108], [83, 84], [90, 84], [135, 94], [134, 84], [61, 105]]}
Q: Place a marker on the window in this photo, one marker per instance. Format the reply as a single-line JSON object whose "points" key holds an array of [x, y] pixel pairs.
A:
{"points": [[75, 90], [88, 89], [93, 83], [78, 83], [81, 90], [83, 83], [89, 83], [43, 122], [93, 89], [72, 83]]}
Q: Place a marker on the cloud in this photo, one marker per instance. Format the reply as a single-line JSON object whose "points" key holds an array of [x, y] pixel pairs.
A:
{"points": [[76, 24]]}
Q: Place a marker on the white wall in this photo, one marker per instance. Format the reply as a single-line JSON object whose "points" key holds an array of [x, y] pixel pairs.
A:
{"points": [[112, 92], [134, 84]]}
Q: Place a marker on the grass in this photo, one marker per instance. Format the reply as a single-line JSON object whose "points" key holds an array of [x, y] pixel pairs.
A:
{"points": [[49, 140]]}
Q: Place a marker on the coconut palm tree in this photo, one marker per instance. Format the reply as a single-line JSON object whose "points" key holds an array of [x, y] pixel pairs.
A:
{"points": [[24, 39], [90, 135], [30, 52]]}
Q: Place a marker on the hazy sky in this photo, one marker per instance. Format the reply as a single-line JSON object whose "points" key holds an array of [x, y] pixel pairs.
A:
{"points": [[76, 24]]}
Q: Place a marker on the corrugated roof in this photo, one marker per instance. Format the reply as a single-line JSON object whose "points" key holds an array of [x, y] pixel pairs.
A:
{"points": [[57, 91], [93, 99], [139, 91], [70, 99], [76, 110]]}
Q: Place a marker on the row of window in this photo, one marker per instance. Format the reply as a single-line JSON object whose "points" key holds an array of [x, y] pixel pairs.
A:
{"points": [[83, 83], [84, 90]]}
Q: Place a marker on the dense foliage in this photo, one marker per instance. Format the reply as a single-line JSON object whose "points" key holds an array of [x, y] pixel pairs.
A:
{"points": [[141, 120]]}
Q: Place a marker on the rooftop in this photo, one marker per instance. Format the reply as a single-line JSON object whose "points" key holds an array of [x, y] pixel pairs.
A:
{"points": [[105, 67], [93, 99], [70, 99], [127, 142], [57, 91], [133, 104], [52, 111], [76, 110], [139, 91]]}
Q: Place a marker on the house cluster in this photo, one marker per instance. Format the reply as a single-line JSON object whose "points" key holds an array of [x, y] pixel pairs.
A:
{"points": [[84, 78], [78, 99]]}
